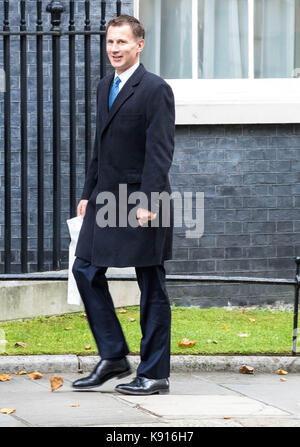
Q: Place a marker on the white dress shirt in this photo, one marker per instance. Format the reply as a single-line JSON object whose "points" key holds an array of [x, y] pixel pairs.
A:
{"points": [[126, 74]]}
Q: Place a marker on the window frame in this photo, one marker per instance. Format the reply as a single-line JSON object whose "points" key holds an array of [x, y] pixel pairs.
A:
{"points": [[233, 101]]}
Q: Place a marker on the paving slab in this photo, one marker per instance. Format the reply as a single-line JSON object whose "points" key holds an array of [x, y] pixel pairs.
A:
{"points": [[48, 409], [7, 420], [187, 406], [286, 398], [268, 422], [196, 400], [186, 423]]}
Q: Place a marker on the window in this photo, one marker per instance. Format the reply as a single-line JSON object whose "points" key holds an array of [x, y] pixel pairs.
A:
{"points": [[276, 38], [226, 53]]}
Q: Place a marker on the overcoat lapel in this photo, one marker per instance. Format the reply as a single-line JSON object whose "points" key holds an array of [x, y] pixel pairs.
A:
{"points": [[104, 102], [125, 93]]}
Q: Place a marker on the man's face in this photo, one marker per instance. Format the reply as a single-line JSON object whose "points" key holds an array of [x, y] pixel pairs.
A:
{"points": [[122, 48]]}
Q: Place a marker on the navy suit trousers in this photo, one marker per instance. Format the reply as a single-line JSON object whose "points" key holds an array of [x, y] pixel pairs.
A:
{"points": [[155, 316]]}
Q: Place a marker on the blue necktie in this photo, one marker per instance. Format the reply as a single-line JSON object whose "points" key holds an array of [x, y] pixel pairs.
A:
{"points": [[114, 91]]}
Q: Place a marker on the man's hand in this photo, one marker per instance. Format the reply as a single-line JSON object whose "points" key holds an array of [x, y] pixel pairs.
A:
{"points": [[81, 207], [144, 215]]}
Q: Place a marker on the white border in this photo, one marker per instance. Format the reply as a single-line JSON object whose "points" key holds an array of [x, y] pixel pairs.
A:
{"points": [[234, 101]]}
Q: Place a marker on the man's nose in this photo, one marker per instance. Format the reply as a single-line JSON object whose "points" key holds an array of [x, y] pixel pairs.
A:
{"points": [[115, 47]]}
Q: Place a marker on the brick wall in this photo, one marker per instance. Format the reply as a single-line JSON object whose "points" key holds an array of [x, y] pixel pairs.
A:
{"points": [[250, 177]]}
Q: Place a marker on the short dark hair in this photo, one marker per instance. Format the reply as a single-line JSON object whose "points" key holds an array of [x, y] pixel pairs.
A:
{"points": [[135, 24]]}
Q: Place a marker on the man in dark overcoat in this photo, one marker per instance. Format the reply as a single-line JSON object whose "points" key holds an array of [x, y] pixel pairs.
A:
{"points": [[133, 150]]}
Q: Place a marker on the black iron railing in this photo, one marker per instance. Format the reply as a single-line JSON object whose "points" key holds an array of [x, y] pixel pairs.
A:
{"points": [[55, 9]]}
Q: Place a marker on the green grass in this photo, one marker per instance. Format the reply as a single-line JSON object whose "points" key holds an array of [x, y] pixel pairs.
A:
{"points": [[271, 333]]}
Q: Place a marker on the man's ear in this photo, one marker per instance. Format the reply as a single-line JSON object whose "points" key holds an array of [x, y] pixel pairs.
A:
{"points": [[141, 44]]}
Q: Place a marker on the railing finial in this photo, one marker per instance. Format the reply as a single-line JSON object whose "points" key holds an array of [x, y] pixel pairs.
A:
{"points": [[56, 9]]}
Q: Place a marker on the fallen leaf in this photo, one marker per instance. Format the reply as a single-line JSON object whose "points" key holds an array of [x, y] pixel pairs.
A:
{"points": [[68, 328], [225, 327], [243, 311], [185, 342], [20, 373], [131, 319], [74, 405], [122, 311], [35, 375], [283, 379], [243, 335], [20, 343], [7, 410], [56, 382], [226, 417], [5, 377], [252, 320], [87, 347], [282, 372], [245, 369]]}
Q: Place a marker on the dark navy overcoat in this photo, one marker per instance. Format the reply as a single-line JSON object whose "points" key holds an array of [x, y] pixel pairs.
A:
{"points": [[134, 145]]}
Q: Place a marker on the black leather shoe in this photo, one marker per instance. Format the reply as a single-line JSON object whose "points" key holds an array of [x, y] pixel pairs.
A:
{"points": [[143, 386], [106, 369]]}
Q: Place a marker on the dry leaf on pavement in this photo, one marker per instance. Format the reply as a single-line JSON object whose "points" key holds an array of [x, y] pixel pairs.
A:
{"points": [[245, 369], [7, 410], [20, 343], [282, 372], [5, 377], [35, 375], [283, 379], [20, 373], [74, 405], [56, 382], [185, 342]]}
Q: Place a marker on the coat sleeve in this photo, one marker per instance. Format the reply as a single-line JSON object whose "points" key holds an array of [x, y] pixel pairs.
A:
{"points": [[159, 145], [92, 173]]}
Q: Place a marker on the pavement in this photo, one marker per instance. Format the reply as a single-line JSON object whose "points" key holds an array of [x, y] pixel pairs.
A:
{"points": [[199, 397]]}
